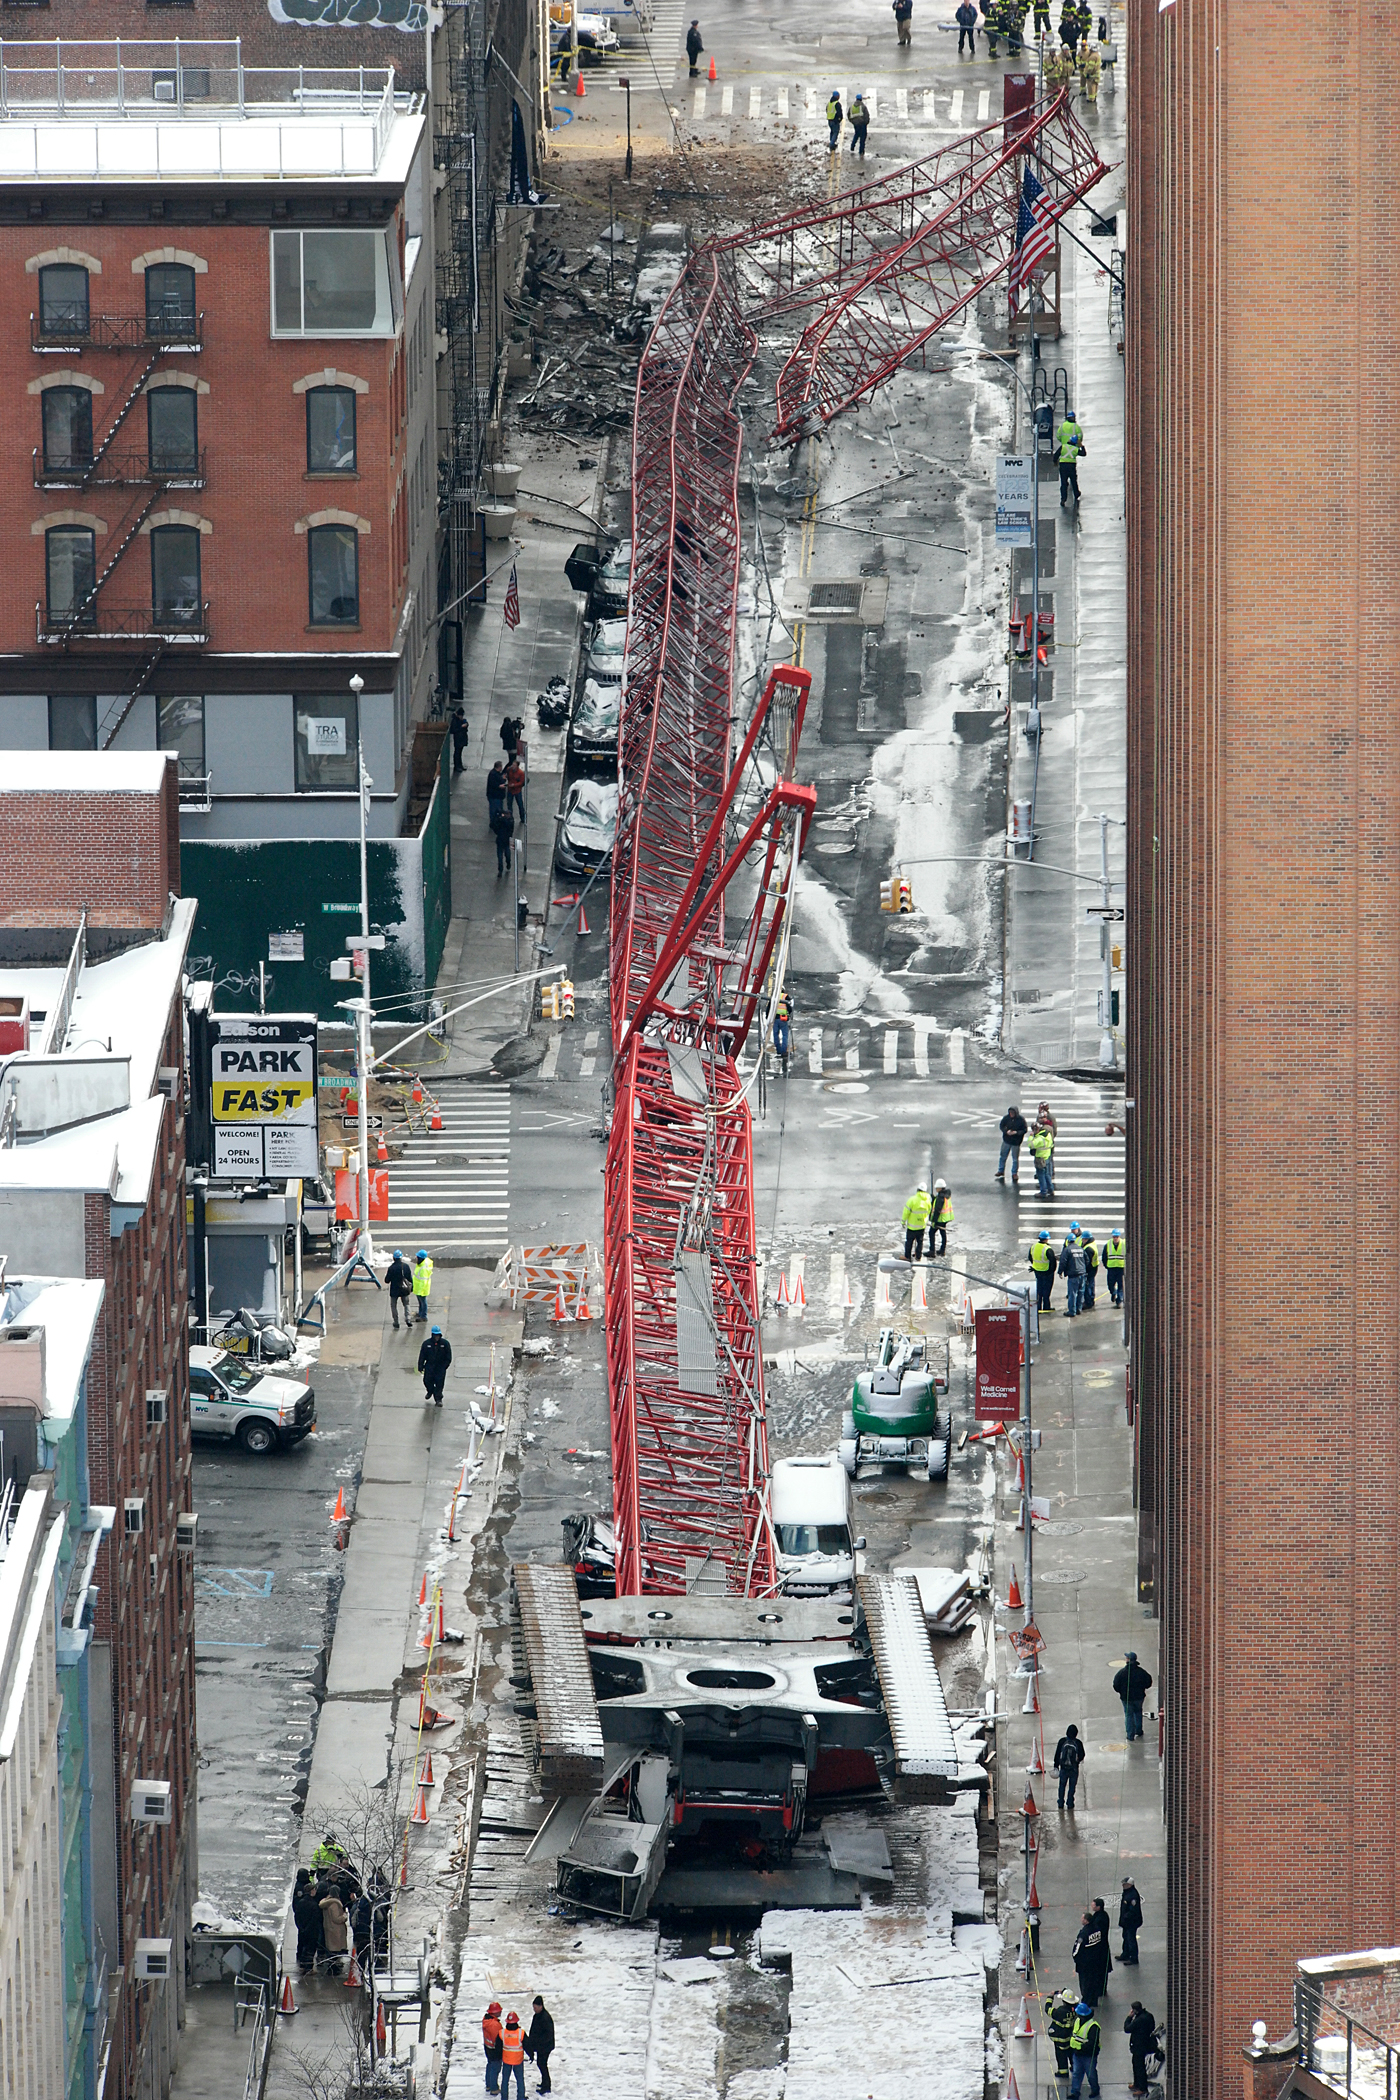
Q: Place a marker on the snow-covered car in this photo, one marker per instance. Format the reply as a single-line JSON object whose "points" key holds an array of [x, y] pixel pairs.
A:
{"points": [[231, 1398], [588, 828], [595, 33], [593, 737], [604, 658], [609, 594]]}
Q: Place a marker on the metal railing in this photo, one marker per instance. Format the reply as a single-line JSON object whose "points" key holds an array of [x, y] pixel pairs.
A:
{"points": [[134, 77], [117, 469], [1340, 2050], [61, 1012], [194, 793], [173, 331], [133, 623]]}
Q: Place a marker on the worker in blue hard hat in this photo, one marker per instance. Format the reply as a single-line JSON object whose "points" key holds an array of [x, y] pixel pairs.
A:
{"points": [[1041, 1257], [400, 1282], [1086, 2037], [433, 1360]]}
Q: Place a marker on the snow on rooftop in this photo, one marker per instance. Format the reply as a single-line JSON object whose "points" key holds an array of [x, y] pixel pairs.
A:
{"points": [[66, 1308], [126, 1000], [83, 772]]}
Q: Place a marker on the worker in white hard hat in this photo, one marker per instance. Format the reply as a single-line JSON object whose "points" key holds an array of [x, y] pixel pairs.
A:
{"points": [[942, 1218], [916, 1215]]}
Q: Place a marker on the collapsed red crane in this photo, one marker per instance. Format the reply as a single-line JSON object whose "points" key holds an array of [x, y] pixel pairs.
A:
{"points": [[878, 270]]}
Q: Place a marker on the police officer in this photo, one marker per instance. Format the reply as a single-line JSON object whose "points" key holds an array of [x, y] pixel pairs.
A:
{"points": [[1041, 1256], [1085, 2038], [835, 117], [966, 19], [916, 1217], [693, 48], [942, 1218], [433, 1360], [1069, 444], [399, 1278], [1115, 1255], [422, 1282]]}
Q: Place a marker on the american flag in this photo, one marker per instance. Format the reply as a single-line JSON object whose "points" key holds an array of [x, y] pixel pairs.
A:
{"points": [[1035, 234], [511, 608]]}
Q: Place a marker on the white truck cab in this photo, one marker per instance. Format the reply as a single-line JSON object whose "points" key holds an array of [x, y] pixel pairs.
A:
{"points": [[811, 1505]]}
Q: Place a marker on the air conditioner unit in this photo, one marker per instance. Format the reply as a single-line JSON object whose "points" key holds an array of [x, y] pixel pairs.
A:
{"points": [[155, 1406], [151, 1801], [163, 89], [186, 1525], [134, 1514], [151, 1960]]}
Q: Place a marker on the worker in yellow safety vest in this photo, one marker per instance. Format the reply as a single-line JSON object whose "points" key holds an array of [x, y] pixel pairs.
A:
{"points": [[1069, 450], [422, 1281], [1042, 1258], [1043, 1153], [942, 1218], [1115, 1255], [916, 1216]]}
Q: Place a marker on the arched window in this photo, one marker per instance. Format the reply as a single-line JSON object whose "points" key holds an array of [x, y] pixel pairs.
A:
{"points": [[333, 556], [330, 430], [172, 426], [169, 299], [63, 299], [176, 597], [67, 414], [70, 558]]}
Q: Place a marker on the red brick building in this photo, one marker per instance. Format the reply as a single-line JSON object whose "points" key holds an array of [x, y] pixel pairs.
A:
{"points": [[92, 1157], [1264, 1050]]}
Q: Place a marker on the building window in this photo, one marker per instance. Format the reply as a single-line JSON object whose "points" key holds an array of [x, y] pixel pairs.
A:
{"points": [[333, 560], [175, 592], [72, 722], [63, 299], [172, 429], [327, 742], [330, 430], [182, 731], [70, 560], [335, 283], [67, 412], [169, 299]]}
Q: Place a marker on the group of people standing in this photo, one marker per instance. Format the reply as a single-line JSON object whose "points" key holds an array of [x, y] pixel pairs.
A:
{"points": [[507, 2044], [505, 791], [859, 115], [1079, 1262], [1042, 1133], [334, 1911], [1075, 2032], [931, 1213]]}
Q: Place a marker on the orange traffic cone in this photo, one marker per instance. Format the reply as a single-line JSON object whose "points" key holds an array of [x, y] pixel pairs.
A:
{"points": [[427, 1773], [561, 1311], [338, 1513], [288, 2004], [435, 1121], [578, 84], [354, 1981], [382, 1151], [1033, 1898], [452, 1510], [1032, 1705], [583, 926], [1013, 2091], [381, 2031], [784, 1295], [429, 1717], [714, 75], [403, 1873], [420, 1808], [418, 1092], [799, 1297], [1014, 1599], [423, 1589], [582, 1310], [1028, 1807], [1036, 1767], [1024, 2029]]}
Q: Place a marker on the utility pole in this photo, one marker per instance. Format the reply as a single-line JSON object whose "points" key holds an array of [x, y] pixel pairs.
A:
{"points": [[1108, 1053]]}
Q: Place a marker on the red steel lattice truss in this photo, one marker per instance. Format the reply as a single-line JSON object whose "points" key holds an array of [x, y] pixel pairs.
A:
{"points": [[876, 272]]}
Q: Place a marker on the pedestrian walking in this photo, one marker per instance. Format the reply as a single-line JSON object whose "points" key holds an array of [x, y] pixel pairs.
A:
{"points": [[423, 1282], [306, 1911], [941, 1218], [539, 2043], [1115, 1256], [916, 1217], [399, 1278], [335, 1928], [1091, 1270], [1043, 1153], [1069, 450], [492, 2037], [860, 123], [1069, 1756], [503, 826], [515, 784], [903, 16], [511, 727], [1093, 1957], [966, 19], [433, 1360], [1085, 2040], [1129, 1920], [460, 735], [513, 2056], [495, 790], [835, 117], [1072, 1269], [782, 1029], [1041, 1256], [1141, 2029], [693, 48], [1132, 1685], [1013, 1136], [1061, 2022]]}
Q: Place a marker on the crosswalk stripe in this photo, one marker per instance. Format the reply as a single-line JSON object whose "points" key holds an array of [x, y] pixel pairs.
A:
{"points": [[955, 112], [872, 103], [957, 1059], [901, 103], [697, 103], [755, 101], [892, 1050], [921, 1035], [726, 102], [814, 1052], [782, 102], [984, 105]]}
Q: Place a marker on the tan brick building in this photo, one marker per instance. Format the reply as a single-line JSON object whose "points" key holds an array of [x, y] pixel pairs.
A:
{"points": [[1264, 949]]}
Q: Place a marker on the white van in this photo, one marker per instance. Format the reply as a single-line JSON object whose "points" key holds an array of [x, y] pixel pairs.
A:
{"points": [[811, 1505]]}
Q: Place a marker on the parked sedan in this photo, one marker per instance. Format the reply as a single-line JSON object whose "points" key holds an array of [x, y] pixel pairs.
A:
{"points": [[604, 658], [232, 1398], [593, 738], [609, 594], [587, 829]]}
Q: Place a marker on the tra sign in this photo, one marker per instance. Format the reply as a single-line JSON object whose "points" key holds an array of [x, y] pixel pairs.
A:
{"points": [[263, 1094]]}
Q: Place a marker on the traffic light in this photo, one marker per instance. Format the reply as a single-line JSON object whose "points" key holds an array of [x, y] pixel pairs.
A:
{"points": [[557, 1001], [897, 894]]}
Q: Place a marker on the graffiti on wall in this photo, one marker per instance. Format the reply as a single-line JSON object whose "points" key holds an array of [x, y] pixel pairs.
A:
{"points": [[352, 14]]}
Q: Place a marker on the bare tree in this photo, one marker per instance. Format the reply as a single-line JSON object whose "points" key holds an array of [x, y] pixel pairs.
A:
{"points": [[347, 2069]]}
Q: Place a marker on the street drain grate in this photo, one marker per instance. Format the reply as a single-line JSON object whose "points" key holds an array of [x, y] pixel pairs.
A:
{"points": [[834, 598]]}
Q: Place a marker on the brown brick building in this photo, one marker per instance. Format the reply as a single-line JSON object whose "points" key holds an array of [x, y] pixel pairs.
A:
{"points": [[92, 1157], [1264, 951]]}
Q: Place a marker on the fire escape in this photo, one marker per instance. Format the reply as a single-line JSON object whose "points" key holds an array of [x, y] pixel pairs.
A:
{"points": [[466, 271], [868, 278], [141, 341]]}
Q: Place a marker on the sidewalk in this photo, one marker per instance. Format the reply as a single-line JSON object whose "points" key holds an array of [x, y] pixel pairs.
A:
{"points": [[1084, 1598]]}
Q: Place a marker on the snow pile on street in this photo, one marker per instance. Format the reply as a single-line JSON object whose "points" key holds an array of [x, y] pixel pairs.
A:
{"points": [[884, 1992]]}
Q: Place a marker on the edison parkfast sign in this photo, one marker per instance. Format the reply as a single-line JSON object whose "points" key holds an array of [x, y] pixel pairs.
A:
{"points": [[263, 1094]]}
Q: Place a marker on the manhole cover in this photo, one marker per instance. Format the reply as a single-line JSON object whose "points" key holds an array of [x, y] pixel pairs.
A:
{"points": [[1062, 1574], [1058, 1528], [846, 1086], [833, 846]]}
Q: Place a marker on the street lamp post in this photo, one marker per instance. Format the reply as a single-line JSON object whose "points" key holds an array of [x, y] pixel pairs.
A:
{"points": [[357, 686], [1108, 1053]]}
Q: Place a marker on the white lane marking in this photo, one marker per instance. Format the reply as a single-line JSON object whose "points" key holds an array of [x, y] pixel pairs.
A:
{"points": [[836, 1288], [549, 1063], [587, 1066], [922, 1032], [755, 102], [853, 1058], [697, 103], [957, 1062], [726, 103], [901, 103], [590, 1041], [930, 105], [891, 1050], [782, 102], [814, 1052], [955, 113], [984, 105]]}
